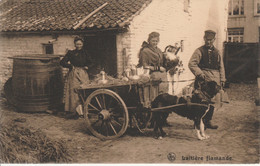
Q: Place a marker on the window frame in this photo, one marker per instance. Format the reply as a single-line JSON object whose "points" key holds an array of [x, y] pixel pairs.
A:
{"points": [[240, 6], [44, 45], [256, 3], [239, 35]]}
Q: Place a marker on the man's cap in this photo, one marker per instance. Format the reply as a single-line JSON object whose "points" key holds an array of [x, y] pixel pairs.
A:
{"points": [[209, 34]]}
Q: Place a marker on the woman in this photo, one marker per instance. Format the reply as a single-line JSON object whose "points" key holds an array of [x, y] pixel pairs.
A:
{"points": [[78, 62], [151, 58]]}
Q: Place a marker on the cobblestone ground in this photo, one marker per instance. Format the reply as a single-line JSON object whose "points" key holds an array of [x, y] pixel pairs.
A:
{"points": [[236, 140]]}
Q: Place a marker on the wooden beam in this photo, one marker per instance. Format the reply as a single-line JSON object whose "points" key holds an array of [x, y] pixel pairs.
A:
{"points": [[88, 16]]}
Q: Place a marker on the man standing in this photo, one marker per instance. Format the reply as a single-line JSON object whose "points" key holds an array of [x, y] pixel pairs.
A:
{"points": [[207, 64]]}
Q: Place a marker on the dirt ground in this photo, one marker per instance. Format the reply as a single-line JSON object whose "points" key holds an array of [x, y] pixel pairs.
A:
{"points": [[235, 141]]}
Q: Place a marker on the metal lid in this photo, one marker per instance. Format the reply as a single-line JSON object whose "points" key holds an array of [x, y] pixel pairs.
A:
{"points": [[36, 56]]}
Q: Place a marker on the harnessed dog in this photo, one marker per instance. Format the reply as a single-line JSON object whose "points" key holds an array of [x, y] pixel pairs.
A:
{"points": [[197, 107]]}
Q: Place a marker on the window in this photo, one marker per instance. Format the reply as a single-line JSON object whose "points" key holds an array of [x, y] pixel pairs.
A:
{"points": [[257, 7], [47, 48], [235, 35], [236, 7]]}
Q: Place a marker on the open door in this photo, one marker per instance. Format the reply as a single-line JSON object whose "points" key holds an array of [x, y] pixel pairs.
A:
{"points": [[102, 49]]}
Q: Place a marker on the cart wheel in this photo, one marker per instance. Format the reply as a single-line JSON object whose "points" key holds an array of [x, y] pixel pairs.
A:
{"points": [[142, 119], [106, 114]]}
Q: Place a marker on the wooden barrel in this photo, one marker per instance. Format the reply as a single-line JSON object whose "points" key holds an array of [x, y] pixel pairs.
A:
{"points": [[37, 82]]}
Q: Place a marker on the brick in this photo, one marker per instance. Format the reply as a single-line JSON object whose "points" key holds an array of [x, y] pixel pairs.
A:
{"points": [[166, 17]]}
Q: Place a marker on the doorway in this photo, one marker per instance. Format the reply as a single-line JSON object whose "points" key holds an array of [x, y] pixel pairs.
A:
{"points": [[102, 49]]}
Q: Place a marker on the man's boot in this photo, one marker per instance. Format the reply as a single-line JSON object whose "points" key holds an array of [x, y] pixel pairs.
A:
{"points": [[209, 125]]}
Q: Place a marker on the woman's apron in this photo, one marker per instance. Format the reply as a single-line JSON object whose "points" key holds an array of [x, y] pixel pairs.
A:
{"points": [[74, 78], [163, 86]]}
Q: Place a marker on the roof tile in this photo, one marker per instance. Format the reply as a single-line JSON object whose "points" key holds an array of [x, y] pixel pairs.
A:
{"points": [[49, 15]]}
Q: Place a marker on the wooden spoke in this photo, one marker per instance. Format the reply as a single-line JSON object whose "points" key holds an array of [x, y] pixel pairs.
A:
{"points": [[101, 126], [107, 128], [93, 124], [115, 109], [93, 111], [116, 118], [136, 122], [93, 107], [117, 114], [91, 115], [103, 97], [98, 102], [142, 119], [112, 127], [116, 122], [110, 101]]}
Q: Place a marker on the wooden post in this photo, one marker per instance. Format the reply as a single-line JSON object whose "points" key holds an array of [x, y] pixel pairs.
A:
{"points": [[88, 16]]}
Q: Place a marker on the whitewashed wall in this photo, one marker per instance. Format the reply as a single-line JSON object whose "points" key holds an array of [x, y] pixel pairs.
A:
{"points": [[169, 19], [22, 44], [164, 16], [210, 14]]}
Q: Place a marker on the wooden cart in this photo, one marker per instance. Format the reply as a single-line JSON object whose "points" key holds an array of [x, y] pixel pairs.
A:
{"points": [[110, 108]]}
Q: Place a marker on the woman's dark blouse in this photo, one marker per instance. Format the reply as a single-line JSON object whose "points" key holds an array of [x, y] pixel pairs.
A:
{"points": [[77, 58]]}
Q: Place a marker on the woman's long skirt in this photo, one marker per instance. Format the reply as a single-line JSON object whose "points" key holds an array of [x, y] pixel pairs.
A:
{"points": [[74, 79]]}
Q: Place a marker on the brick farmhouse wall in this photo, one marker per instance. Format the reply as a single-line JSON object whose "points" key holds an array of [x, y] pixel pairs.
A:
{"points": [[174, 24], [25, 44], [164, 16]]}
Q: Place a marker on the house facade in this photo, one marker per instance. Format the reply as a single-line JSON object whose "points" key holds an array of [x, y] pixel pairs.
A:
{"points": [[113, 30], [244, 21], [178, 21]]}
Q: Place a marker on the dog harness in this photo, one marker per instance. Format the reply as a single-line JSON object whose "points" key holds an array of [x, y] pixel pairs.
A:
{"points": [[203, 96]]}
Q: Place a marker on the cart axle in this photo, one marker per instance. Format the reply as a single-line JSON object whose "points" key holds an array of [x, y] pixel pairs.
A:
{"points": [[104, 115]]}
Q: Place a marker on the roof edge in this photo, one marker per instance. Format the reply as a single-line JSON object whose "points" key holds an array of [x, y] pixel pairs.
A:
{"points": [[86, 31], [127, 22]]}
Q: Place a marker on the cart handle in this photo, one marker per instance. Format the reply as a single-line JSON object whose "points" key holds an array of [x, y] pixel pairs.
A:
{"points": [[176, 105]]}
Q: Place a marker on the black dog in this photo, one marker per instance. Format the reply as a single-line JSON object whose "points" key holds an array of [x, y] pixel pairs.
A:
{"points": [[200, 114]]}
